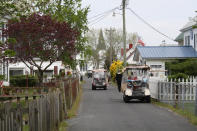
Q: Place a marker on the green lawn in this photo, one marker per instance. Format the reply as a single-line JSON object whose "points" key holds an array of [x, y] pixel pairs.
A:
{"points": [[190, 107]]}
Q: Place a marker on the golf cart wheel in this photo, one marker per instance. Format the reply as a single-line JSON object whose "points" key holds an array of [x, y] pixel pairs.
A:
{"points": [[93, 88], [148, 99], [125, 98]]}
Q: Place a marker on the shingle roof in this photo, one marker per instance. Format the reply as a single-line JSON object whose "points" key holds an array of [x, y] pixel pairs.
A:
{"points": [[167, 52], [188, 25], [180, 37]]}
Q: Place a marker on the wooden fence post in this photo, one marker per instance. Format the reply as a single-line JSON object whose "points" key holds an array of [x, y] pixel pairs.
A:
{"points": [[196, 102], [70, 91], [63, 100]]}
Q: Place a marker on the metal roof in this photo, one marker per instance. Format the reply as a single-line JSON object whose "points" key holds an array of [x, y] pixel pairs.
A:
{"points": [[167, 52]]}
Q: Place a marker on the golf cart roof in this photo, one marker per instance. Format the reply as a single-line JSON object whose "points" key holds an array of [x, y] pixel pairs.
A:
{"points": [[99, 70], [158, 70], [145, 67]]}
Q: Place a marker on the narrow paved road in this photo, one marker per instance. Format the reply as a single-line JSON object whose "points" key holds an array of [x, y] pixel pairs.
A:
{"points": [[104, 110]]}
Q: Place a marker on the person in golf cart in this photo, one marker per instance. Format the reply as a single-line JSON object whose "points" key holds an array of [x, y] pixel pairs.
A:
{"points": [[131, 76], [135, 83]]}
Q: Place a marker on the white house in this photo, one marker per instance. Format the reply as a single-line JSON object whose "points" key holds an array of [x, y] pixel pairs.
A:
{"points": [[130, 51], [156, 56], [19, 68], [189, 33], [83, 68]]}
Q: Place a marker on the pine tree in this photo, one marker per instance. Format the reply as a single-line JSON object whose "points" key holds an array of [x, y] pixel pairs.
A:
{"points": [[101, 42]]}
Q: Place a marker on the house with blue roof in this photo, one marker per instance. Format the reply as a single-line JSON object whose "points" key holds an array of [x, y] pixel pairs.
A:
{"points": [[157, 56]]}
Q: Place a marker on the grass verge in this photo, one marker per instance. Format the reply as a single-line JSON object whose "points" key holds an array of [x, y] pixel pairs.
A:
{"points": [[188, 115], [25, 128], [73, 111], [63, 126]]}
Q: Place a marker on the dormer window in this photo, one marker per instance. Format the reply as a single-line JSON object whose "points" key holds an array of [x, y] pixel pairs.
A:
{"points": [[187, 40]]}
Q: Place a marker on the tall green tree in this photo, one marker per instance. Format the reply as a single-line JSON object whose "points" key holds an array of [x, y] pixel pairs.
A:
{"points": [[93, 41], [14, 8], [195, 26], [93, 36], [107, 58], [101, 41], [69, 11], [116, 39], [39, 37]]}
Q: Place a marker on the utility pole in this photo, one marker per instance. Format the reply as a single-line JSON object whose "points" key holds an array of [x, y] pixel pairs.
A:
{"points": [[110, 43], [196, 102], [124, 29]]}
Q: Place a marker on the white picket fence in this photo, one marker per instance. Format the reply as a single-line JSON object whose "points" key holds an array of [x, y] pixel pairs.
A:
{"points": [[153, 86], [165, 90], [177, 93], [180, 89]]}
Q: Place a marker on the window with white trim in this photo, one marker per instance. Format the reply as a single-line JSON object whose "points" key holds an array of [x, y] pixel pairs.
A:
{"points": [[155, 66], [195, 41], [187, 40]]}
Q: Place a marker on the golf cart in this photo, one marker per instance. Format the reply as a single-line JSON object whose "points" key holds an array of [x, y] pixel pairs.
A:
{"points": [[99, 79], [135, 84]]}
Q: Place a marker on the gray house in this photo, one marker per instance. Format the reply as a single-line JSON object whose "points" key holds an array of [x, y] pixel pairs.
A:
{"points": [[188, 35]]}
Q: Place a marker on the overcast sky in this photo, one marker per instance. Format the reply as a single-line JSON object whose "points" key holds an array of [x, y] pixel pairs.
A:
{"points": [[168, 16]]}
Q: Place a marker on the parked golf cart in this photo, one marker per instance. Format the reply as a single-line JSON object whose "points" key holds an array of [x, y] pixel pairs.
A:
{"points": [[135, 84]]}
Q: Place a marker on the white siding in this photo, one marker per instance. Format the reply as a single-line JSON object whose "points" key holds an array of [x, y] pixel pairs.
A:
{"points": [[188, 33], [159, 63], [195, 33]]}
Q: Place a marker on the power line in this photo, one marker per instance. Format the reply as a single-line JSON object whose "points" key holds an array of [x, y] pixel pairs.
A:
{"points": [[101, 18], [104, 12], [152, 27]]}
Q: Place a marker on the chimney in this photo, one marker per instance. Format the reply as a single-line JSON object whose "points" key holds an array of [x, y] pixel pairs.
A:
{"points": [[130, 45], [122, 51]]}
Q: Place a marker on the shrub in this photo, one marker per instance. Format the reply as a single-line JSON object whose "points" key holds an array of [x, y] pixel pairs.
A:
{"points": [[115, 66], [2, 77], [178, 76], [23, 80]]}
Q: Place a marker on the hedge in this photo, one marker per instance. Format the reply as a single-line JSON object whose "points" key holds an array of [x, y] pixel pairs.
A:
{"points": [[178, 76], [23, 80]]}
